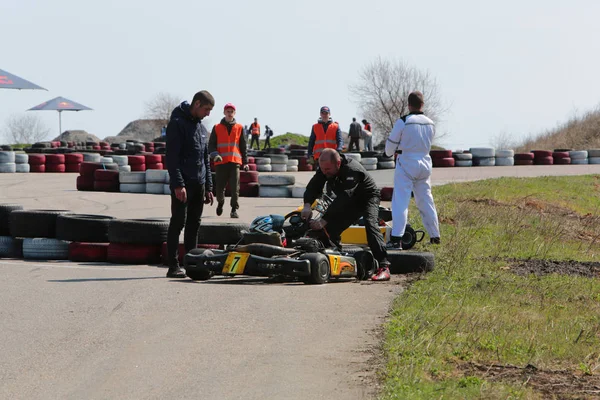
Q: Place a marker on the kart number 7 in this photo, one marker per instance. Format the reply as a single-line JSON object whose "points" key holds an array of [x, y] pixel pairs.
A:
{"points": [[235, 263]]}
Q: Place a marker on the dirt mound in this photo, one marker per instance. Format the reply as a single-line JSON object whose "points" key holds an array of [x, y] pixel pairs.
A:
{"points": [[142, 129], [77, 136], [547, 267]]}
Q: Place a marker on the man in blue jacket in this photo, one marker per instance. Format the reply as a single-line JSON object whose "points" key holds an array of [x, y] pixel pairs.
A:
{"points": [[189, 171]]}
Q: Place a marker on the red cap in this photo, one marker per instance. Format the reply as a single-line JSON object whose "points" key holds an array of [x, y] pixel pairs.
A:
{"points": [[229, 105]]}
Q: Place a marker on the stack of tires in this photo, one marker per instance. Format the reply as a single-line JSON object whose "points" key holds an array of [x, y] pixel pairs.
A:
{"points": [[292, 165], [278, 162], [156, 179], [594, 156], [542, 157], [370, 163], [354, 156], [561, 157], [578, 157], [137, 163], [10, 247], [38, 230], [55, 163], [524, 158], [153, 161], [263, 164], [122, 162], [303, 164], [276, 185], [385, 162], [132, 182], [87, 175], [7, 162], [249, 184], [462, 159], [298, 192], [505, 158], [136, 241], [73, 162], [442, 158], [37, 162], [22, 162], [149, 147], [483, 156], [106, 180], [87, 234], [92, 157], [251, 164]]}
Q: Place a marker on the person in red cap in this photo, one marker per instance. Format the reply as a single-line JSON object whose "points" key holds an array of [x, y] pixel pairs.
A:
{"points": [[325, 134], [227, 148]]}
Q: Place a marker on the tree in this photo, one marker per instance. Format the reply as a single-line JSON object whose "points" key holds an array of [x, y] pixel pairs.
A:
{"points": [[382, 93], [161, 106], [25, 128]]}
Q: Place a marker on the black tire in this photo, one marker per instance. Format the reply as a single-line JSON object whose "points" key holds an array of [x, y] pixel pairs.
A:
{"points": [[320, 271], [409, 239], [34, 223], [366, 265], [223, 233], [404, 262], [197, 274], [5, 210], [138, 231], [83, 228]]}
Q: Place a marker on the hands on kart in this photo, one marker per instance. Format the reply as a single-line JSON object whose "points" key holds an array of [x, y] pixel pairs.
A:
{"points": [[315, 224]]}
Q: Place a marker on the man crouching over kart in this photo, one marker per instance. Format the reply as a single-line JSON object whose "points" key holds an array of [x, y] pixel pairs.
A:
{"points": [[356, 195]]}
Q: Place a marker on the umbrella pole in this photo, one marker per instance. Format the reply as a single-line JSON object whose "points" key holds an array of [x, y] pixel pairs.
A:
{"points": [[59, 122]]}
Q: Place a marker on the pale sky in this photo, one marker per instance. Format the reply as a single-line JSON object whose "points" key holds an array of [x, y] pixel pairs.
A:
{"points": [[513, 67]]}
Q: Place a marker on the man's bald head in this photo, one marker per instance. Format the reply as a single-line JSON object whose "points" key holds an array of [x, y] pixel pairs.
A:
{"points": [[329, 162], [330, 155]]}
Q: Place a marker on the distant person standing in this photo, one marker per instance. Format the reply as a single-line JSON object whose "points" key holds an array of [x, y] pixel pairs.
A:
{"points": [[413, 134], [227, 147], [325, 134], [163, 131], [367, 136], [189, 173], [354, 134], [268, 135], [255, 131]]}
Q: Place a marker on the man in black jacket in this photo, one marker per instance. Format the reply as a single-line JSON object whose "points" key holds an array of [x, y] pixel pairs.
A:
{"points": [[189, 171], [354, 134], [356, 195]]}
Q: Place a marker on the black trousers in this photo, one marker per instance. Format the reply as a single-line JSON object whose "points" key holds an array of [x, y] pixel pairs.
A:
{"points": [[354, 141], [254, 138], [341, 220], [188, 215], [267, 143]]}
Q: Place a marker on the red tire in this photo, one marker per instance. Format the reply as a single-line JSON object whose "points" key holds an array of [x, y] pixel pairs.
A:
{"points": [[523, 162], [562, 161], [136, 160], [73, 158], [181, 251], [121, 253], [440, 154], [55, 168], [524, 156], [155, 166], [88, 252], [249, 189], [248, 177], [443, 162], [106, 175], [72, 167], [544, 160], [88, 169], [37, 168], [541, 153], [153, 159], [386, 193], [104, 144], [97, 147], [251, 167], [251, 160], [55, 159], [106, 186], [560, 154], [85, 183], [307, 167], [37, 159], [138, 167]]}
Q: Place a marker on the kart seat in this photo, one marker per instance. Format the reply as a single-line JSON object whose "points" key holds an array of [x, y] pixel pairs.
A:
{"points": [[272, 238]]}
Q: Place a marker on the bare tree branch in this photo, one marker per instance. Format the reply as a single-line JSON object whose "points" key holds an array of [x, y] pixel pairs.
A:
{"points": [[25, 128], [161, 106]]}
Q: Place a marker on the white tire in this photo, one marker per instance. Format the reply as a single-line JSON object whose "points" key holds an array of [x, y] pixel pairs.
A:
{"points": [[106, 160], [278, 159], [155, 188], [91, 157], [8, 167], [594, 160], [353, 156], [371, 167], [369, 161], [578, 155], [166, 189], [274, 191], [120, 160], [484, 161], [386, 165], [132, 188], [292, 169], [462, 156], [482, 152], [298, 192], [593, 153], [125, 168], [463, 163], [156, 176], [263, 167], [7, 157], [580, 161], [22, 168], [292, 163], [9, 246], [21, 158], [132, 177], [276, 180], [505, 161], [262, 161], [167, 177], [279, 167], [45, 249], [504, 153]]}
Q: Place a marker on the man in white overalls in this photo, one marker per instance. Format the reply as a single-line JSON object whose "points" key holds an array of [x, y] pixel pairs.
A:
{"points": [[413, 135]]}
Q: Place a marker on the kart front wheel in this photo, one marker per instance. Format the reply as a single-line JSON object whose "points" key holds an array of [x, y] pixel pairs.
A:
{"points": [[319, 268], [196, 274]]}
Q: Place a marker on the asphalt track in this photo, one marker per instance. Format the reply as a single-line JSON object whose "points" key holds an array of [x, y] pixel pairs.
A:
{"points": [[106, 331]]}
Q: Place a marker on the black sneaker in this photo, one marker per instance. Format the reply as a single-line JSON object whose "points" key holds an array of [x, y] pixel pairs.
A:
{"points": [[234, 214], [435, 240], [176, 272], [220, 209]]}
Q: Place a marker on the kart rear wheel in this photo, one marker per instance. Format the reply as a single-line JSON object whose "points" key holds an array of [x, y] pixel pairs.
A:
{"points": [[196, 274], [320, 271]]}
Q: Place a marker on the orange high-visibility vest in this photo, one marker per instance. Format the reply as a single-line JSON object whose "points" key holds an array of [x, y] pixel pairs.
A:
{"points": [[228, 144], [255, 128], [368, 127], [324, 140]]}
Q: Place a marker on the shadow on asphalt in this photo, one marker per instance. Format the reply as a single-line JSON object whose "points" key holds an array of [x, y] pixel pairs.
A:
{"points": [[102, 279], [257, 281]]}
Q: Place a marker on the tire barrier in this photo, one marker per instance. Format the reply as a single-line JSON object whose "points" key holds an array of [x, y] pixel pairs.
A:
{"points": [[443, 162], [126, 253], [83, 228], [215, 233], [34, 223], [11, 247], [45, 249], [5, 211], [138, 231]]}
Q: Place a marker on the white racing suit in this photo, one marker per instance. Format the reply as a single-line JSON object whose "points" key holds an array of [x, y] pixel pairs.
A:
{"points": [[413, 134]]}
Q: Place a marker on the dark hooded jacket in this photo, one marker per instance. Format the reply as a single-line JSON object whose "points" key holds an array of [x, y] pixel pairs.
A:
{"points": [[187, 149]]}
